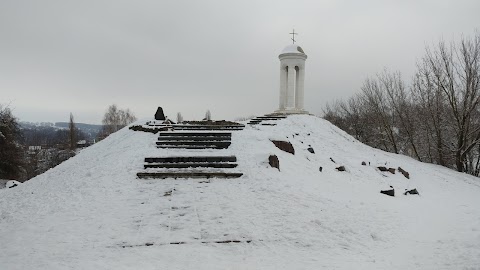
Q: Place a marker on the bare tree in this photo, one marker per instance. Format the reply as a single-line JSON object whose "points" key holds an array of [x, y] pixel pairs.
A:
{"points": [[373, 93], [115, 119], [208, 115], [456, 69], [431, 107], [72, 133], [12, 159], [179, 117]]}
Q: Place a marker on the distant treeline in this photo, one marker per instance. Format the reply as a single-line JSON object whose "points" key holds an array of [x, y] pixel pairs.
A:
{"points": [[29, 149]]}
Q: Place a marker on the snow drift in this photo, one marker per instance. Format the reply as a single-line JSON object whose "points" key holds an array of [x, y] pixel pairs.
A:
{"points": [[91, 212]]}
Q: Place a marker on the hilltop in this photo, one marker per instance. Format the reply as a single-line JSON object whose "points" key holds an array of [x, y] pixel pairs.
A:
{"points": [[91, 212]]}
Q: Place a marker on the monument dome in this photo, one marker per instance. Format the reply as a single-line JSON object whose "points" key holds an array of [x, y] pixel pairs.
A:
{"points": [[292, 48]]}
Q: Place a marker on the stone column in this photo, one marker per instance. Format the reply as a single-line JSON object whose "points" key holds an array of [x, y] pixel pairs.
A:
{"points": [[283, 87], [291, 87], [299, 100], [297, 74]]}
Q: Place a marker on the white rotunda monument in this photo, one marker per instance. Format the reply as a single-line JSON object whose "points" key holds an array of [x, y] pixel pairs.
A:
{"points": [[292, 77]]}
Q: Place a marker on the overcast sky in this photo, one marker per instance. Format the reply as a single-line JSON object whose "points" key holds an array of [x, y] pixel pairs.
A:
{"points": [[59, 56]]}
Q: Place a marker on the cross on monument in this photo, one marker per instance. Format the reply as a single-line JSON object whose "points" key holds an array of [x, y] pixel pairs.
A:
{"points": [[293, 35]]}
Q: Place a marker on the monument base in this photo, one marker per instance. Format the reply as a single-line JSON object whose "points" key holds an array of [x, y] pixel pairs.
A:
{"points": [[290, 111]]}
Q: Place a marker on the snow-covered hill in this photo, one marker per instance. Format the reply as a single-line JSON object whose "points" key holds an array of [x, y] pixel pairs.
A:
{"points": [[91, 212]]}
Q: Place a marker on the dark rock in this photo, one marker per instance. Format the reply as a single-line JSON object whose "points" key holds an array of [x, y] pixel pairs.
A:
{"points": [[412, 191], [159, 114], [405, 173], [274, 162], [341, 168], [363, 163], [391, 170], [320, 169], [285, 146], [382, 169], [389, 192], [148, 129], [310, 149]]}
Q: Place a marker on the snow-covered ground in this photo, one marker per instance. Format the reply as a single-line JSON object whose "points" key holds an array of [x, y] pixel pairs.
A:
{"points": [[3, 183], [91, 212]]}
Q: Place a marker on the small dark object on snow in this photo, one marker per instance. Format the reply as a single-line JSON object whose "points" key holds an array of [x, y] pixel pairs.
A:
{"points": [[177, 243], [296, 134], [310, 149], [363, 163], [405, 173], [285, 146], [391, 170], [332, 160], [390, 192], [308, 134], [412, 191], [159, 114], [320, 169], [14, 185], [382, 169], [148, 244], [274, 162], [341, 168]]}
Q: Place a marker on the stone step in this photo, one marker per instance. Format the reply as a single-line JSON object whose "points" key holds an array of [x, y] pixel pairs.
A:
{"points": [[274, 115], [191, 147], [270, 118], [190, 165], [217, 143], [208, 128], [164, 175], [196, 134], [185, 138], [198, 127], [191, 159]]}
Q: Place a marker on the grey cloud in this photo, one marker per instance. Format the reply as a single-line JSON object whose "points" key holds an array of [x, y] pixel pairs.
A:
{"points": [[190, 56]]}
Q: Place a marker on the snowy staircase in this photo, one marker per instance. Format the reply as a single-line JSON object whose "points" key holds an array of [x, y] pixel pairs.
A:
{"points": [[194, 140], [269, 117], [192, 166]]}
